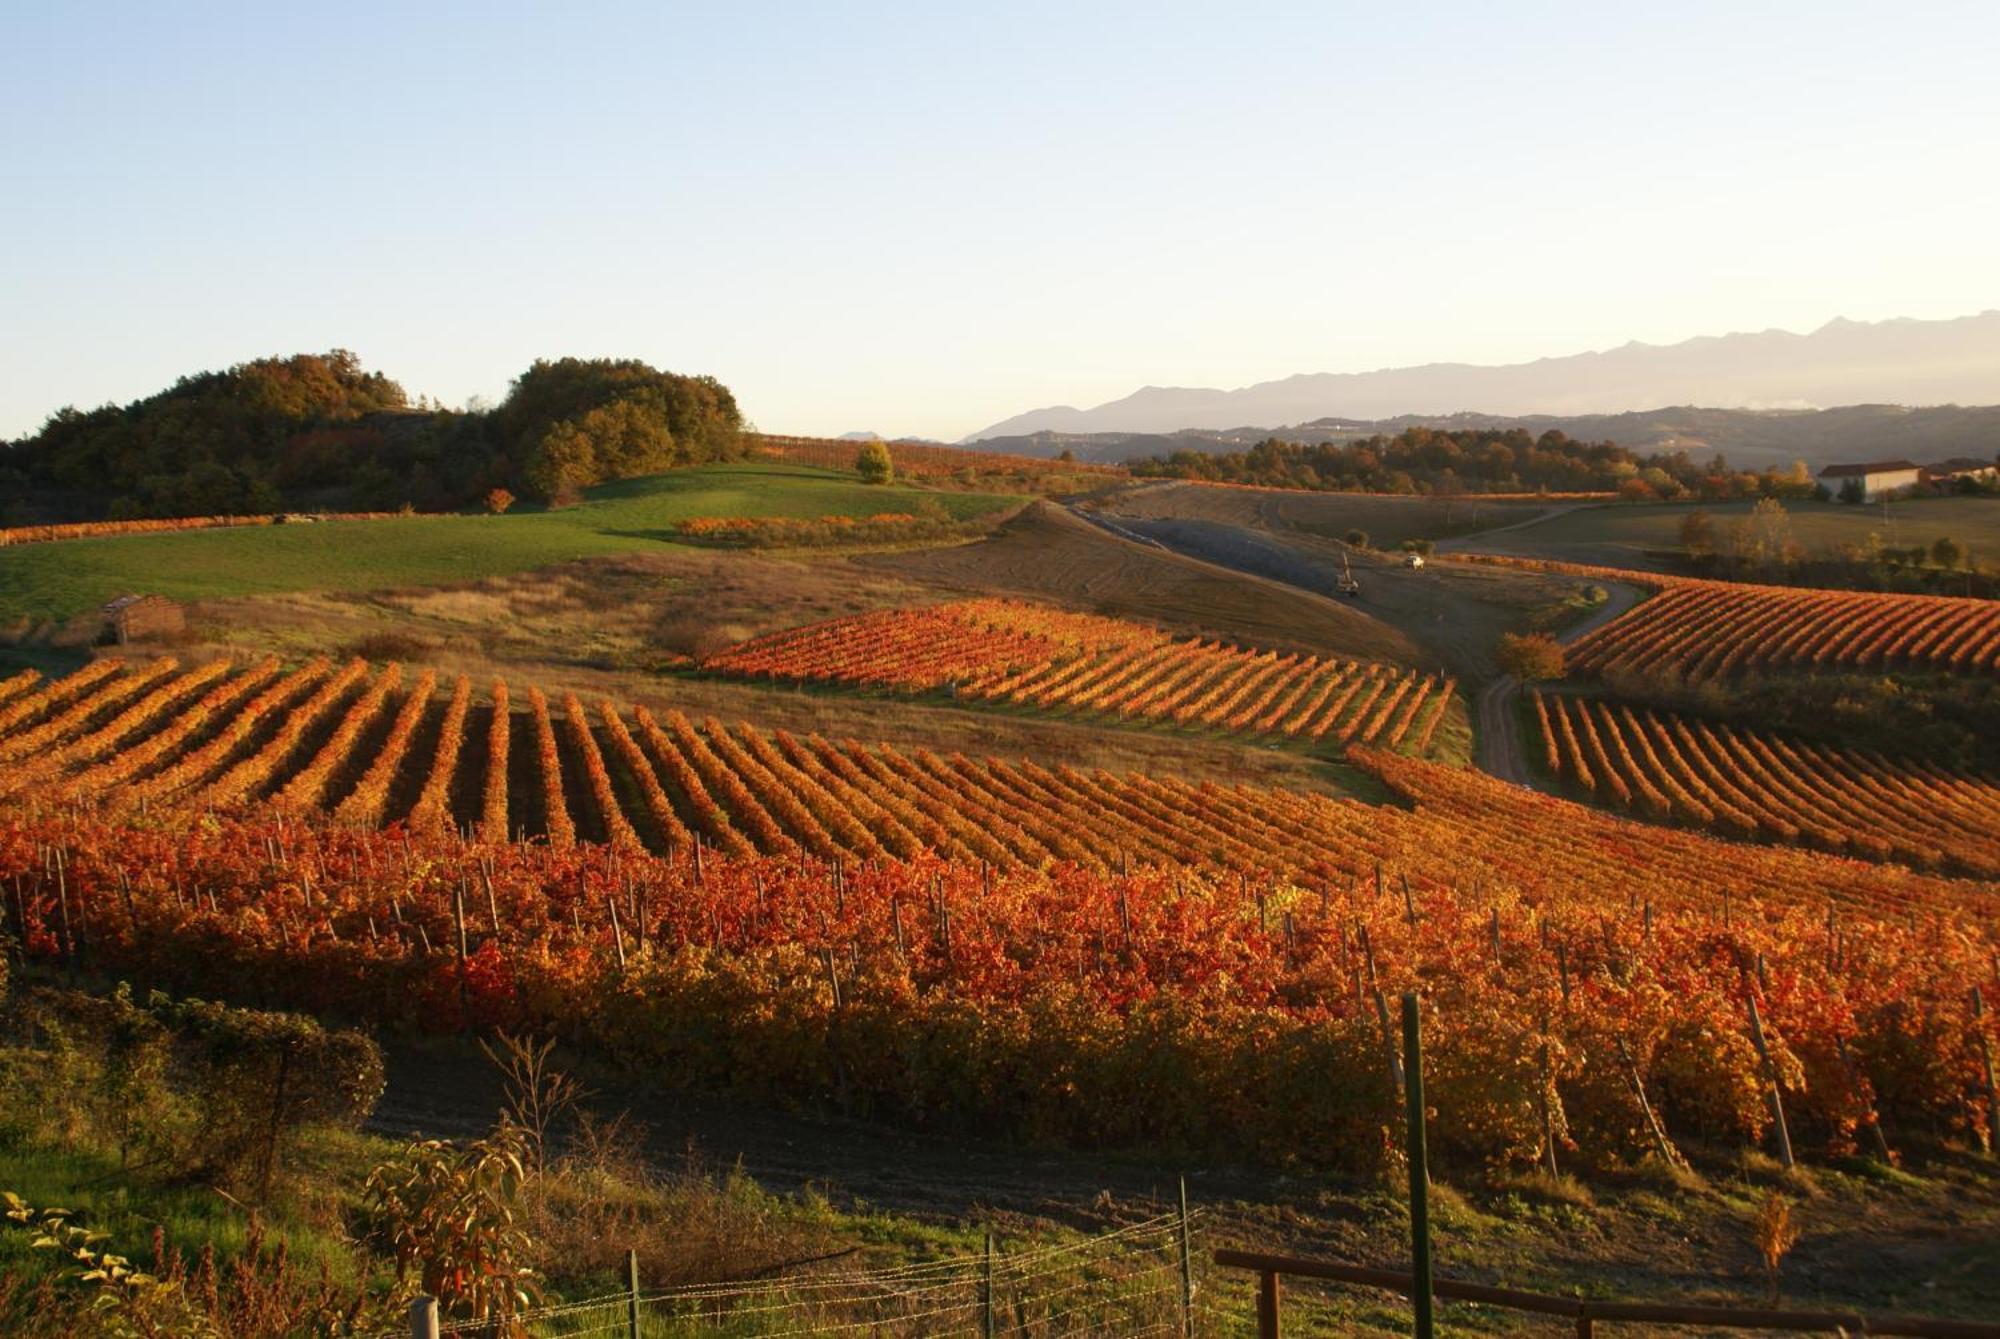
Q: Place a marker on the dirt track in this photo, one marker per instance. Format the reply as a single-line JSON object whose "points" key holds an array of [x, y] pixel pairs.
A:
{"points": [[1049, 553], [1499, 724], [1454, 612]]}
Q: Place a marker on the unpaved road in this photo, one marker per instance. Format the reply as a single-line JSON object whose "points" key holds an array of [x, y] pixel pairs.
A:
{"points": [[1497, 725], [1454, 612]]}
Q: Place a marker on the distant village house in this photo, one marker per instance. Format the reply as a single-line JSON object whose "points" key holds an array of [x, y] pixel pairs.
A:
{"points": [[1949, 472], [1881, 479], [132, 618]]}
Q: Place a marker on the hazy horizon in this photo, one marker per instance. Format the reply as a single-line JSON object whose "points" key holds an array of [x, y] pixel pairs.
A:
{"points": [[922, 223]]}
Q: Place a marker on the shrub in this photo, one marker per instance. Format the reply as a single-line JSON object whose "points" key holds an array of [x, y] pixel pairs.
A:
{"points": [[874, 463], [211, 1091], [1533, 657], [497, 501], [1357, 537], [452, 1217]]}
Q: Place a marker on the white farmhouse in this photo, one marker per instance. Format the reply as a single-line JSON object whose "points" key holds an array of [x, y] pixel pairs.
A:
{"points": [[1883, 478]]}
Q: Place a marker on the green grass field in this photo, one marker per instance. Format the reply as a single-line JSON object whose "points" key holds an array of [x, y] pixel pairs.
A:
{"points": [[1619, 536], [56, 581]]}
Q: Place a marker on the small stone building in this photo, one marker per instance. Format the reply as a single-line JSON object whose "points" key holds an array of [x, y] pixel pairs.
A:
{"points": [[133, 618]]}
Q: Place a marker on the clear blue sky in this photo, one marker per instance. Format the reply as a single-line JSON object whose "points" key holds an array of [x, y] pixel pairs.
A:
{"points": [[921, 218]]}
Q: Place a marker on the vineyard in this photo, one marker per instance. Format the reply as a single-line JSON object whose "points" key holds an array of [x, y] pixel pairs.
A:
{"points": [[1028, 655], [48, 534], [370, 750], [1079, 957], [1590, 978], [1753, 784], [1700, 629], [916, 460]]}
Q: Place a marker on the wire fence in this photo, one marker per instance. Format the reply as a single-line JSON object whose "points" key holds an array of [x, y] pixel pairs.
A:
{"points": [[1134, 1280]]}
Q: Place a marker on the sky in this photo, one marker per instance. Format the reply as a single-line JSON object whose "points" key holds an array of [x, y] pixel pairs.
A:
{"points": [[922, 218]]}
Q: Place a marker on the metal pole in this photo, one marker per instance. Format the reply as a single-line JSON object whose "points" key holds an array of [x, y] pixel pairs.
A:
{"points": [[1420, 1211], [632, 1293], [424, 1317]]}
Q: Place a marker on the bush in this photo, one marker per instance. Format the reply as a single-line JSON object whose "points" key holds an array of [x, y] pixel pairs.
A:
{"points": [[210, 1091], [875, 463], [1358, 538], [1533, 657]]}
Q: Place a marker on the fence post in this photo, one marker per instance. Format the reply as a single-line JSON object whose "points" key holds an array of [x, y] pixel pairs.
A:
{"points": [[1267, 1304], [986, 1320], [1420, 1212], [632, 1293], [1187, 1268], [424, 1317]]}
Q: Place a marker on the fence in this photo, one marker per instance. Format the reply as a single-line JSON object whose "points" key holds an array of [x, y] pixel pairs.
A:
{"points": [[1586, 1314], [1421, 1286], [1136, 1280]]}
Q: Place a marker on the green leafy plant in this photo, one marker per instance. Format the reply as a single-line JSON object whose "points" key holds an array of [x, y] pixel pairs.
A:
{"points": [[452, 1218]]}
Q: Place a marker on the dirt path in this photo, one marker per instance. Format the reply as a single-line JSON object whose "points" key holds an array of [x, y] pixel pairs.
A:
{"points": [[1472, 542], [1050, 552], [1498, 724], [1454, 611]]}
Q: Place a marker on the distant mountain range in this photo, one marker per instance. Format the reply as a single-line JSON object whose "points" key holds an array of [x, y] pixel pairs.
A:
{"points": [[1747, 437], [1854, 363]]}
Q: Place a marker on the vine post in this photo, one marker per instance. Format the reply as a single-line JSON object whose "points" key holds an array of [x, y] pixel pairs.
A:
{"points": [[1420, 1212]]}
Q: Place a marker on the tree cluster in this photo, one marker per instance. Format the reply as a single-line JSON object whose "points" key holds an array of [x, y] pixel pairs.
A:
{"points": [[1441, 462], [320, 431]]}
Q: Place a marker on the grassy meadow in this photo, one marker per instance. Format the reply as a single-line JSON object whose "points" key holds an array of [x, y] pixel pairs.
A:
{"points": [[58, 581], [1620, 536]]}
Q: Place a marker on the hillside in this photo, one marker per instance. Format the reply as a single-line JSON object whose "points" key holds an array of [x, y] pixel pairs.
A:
{"points": [[1747, 437], [57, 581], [1843, 362]]}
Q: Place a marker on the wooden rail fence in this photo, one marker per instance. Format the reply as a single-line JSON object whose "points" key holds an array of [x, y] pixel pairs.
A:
{"points": [[1586, 1314]]}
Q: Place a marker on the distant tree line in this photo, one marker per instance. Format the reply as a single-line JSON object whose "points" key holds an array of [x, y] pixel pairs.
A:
{"points": [[1760, 547], [1443, 461], [319, 430]]}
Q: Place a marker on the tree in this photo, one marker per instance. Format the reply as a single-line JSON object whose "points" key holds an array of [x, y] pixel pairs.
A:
{"points": [[875, 463], [1698, 534], [1947, 553], [497, 501], [1853, 491], [1533, 657]]}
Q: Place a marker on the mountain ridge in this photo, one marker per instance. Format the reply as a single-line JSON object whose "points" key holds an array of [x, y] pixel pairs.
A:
{"points": [[1900, 360]]}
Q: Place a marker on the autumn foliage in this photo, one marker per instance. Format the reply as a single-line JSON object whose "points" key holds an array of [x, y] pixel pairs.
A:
{"points": [[1014, 652]]}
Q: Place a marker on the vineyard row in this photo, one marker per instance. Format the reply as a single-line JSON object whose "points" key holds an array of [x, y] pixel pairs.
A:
{"points": [[1701, 629], [1195, 1008], [369, 750], [1028, 655], [1755, 784]]}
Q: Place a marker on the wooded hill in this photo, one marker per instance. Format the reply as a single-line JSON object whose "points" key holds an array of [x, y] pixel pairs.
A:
{"points": [[321, 431]]}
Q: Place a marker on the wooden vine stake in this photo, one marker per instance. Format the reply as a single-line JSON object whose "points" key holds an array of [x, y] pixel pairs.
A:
{"points": [[1543, 1095], [1776, 1100], [1420, 1174], [1986, 1058], [1665, 1146]]}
